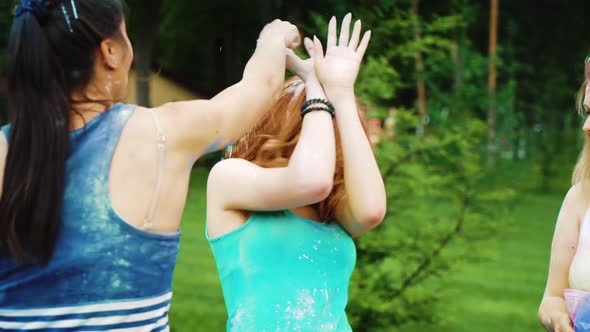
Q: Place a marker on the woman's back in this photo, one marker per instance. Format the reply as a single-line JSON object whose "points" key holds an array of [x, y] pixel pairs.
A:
{"points": [[104, 273], [280, 271]]}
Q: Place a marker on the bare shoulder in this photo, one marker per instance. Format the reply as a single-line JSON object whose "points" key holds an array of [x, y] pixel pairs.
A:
{"points": [[577, 200], [220, 220], [222, 173]]}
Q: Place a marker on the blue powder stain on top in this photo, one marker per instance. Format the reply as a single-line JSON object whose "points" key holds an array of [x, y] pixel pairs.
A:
{"points": [[98, 257]]}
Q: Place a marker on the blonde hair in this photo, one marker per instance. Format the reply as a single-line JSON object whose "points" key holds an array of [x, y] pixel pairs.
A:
{"points": [[581, 175], [272, 142]]}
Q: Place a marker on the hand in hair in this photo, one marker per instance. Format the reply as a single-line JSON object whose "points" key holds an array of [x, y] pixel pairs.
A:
{"points": [[339, 67]]}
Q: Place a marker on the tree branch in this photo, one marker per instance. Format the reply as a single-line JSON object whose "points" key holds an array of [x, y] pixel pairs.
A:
{"points": [[445, 241]]}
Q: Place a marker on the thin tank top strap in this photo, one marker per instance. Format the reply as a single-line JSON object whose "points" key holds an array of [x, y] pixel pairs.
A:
{"points": [[161, 146]]}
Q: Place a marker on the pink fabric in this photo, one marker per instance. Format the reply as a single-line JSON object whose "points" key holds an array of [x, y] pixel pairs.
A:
{"points": [[573, 297]]}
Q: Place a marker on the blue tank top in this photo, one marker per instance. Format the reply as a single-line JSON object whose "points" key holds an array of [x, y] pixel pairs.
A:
{"points": [[105, 274], [282, 272]]}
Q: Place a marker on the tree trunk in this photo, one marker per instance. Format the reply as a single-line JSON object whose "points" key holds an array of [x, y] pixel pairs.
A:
{"points": [[146, 37], [420, 85], [492, 149]]}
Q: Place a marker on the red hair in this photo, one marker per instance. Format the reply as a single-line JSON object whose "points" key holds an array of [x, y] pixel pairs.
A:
{"points": [[272, 142]]}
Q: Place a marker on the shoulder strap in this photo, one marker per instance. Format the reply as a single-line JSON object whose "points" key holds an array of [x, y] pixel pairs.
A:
{"points": [[161, 145]]}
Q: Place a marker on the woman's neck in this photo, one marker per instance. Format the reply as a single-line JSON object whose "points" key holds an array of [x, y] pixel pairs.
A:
{"points": [[86, 105]]}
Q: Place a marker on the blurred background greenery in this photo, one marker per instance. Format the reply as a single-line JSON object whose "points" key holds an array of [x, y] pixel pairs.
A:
{"points": [[473, 121]]}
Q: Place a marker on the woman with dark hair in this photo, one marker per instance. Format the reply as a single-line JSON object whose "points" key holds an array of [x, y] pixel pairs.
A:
{"points": [[281, 212], [93, 189]]}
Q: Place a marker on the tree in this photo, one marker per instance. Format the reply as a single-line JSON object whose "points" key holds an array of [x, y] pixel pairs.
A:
{"points": [[440, 210], [492, 83], [420, 85]]}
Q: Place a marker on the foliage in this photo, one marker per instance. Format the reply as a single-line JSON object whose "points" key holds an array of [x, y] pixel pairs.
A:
{"points": [[443, 205], [440, 210]]}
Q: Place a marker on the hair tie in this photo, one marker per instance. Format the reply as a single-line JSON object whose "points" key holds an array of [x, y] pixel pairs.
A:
{"points": [[35, 7]]}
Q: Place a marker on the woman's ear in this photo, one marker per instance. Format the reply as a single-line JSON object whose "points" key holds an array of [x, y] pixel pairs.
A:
{"points": [[111, 53]]}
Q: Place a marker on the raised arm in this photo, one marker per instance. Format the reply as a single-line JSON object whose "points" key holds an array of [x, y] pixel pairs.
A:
{"points": [[553, 312], [207, 125], [236, 184], [364, 205]]}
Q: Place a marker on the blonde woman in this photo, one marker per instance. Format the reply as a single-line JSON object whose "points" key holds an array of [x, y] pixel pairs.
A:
{"points": [[569, 270]]}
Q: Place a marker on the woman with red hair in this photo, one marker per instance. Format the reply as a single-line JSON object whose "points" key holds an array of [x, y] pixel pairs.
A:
{"points": [[282, 211]]}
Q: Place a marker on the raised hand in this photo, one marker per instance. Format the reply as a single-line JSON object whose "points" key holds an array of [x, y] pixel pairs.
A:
{"points": [[339, 67], [305, 69], [281, 31]]}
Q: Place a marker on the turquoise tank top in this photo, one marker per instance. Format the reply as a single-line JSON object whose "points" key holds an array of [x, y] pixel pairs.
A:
{"points": [[283, 272]]}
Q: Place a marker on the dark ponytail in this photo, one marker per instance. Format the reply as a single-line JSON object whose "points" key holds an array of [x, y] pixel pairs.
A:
{"points": [[50, 56]]}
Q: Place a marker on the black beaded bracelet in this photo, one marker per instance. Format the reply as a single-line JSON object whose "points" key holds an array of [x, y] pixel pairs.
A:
{"points": [[316, 108], [318, 101]]}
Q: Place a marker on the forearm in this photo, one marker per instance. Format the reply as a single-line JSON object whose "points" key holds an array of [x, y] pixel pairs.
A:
{"points": [[267, 64], [242, 105], [314, 156], [364, 185]]}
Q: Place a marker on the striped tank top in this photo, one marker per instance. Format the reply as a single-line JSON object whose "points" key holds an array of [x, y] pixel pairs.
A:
{"points": [[105, 275]]}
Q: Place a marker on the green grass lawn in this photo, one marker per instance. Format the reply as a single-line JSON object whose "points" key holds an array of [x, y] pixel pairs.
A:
{"points": [[502, 291], [197, 304], [499, 292]]}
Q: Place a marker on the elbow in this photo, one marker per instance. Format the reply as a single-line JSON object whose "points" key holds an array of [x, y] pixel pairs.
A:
{"points": [[372, 217], [315, 189]]}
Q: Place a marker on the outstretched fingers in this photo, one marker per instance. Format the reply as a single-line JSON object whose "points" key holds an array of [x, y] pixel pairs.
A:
{"points": [[356, 35], [364, 44], [332, 32], [345, 30], [318, 49], [309, 47]]}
